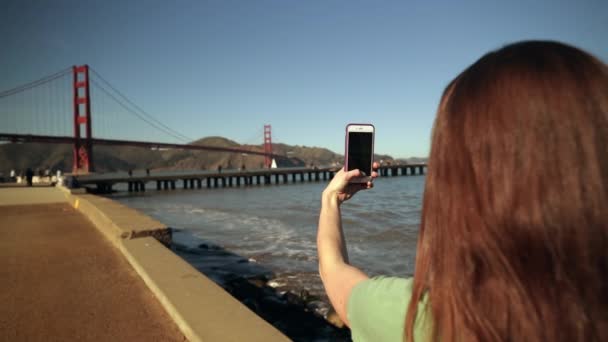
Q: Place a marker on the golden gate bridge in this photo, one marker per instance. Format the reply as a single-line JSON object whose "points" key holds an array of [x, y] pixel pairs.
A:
{"points": [[58, 109]]}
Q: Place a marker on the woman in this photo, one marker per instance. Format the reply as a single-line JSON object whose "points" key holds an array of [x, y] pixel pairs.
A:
{"points": [[513, 242]]}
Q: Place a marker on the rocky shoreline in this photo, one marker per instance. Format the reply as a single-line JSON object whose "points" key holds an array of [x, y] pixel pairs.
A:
{"points": [[294, 311]]}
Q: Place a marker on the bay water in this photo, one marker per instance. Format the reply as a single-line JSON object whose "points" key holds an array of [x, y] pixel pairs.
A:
{"points": [[275, 226]]}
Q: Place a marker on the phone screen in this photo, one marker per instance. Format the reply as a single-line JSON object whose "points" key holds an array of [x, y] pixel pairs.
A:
{"points": [[360, 151]]}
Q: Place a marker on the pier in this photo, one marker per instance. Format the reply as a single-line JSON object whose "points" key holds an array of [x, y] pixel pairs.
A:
{"points": [[163, 180]]}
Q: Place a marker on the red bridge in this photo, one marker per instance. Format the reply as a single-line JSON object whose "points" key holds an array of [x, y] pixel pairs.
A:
{"points": [[57, 109]]}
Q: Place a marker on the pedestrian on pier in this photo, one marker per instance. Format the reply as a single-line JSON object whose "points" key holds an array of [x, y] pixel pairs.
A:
{"points": [[513, 240], [147, 172], [130, 172], [29, 176]]}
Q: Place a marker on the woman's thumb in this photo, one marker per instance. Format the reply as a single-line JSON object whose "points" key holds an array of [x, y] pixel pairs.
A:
{"points": [[353, 173]]}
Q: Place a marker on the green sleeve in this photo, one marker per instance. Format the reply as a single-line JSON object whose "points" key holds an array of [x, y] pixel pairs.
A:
{"points": [[376, 309]]}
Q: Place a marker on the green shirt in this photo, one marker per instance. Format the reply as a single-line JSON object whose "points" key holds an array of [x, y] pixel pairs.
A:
{"points": [[376, 310]]}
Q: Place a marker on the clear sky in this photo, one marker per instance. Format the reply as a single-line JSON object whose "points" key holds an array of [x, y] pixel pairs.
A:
{"points": [[307, 68]]}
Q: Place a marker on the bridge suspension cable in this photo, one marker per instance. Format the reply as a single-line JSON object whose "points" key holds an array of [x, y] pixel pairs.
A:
{"points": [[39, 107], [135, 113], [34, 84], [137, 110]]}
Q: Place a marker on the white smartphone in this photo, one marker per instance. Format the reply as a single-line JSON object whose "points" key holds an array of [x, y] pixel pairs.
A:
{"points": [[360, 150]]}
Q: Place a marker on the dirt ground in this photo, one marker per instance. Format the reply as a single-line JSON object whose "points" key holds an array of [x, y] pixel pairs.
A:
{"points": [[60, 280]]}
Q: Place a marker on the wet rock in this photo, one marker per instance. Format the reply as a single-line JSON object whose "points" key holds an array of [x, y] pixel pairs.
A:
{"points": [[280, 325], [258, 280], [222, 278], [274, 305], [304, 295], [209, 246], [281, 301], [334, 319], [275, 283], [319, 307], [242, 289], [252, 304], [269, 291], [248, 270], [163, 235], [293, 298]]}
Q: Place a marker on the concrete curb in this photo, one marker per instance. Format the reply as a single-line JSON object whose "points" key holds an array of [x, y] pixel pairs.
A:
{"points": [[100, 220], [78, 191], [202, 310], [117, 221]]}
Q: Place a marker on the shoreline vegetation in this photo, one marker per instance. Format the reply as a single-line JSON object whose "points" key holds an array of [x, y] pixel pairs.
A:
{"points": [[292, 310]]}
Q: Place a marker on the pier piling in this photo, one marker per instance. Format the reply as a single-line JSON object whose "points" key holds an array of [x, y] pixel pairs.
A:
{"points": [[104, 183]]}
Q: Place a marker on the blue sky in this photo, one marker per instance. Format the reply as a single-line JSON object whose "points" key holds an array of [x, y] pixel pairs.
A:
{"points": [[306, 67]]}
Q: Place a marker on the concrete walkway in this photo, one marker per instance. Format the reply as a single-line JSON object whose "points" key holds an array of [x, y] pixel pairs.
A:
{"points": [[17, 195], [62, 280]]}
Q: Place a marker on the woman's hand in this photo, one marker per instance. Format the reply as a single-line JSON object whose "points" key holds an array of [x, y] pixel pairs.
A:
{"points": [[340, 188]]}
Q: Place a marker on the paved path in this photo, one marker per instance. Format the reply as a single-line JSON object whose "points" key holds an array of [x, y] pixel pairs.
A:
{"points": [[60, 280], [13, 195]]}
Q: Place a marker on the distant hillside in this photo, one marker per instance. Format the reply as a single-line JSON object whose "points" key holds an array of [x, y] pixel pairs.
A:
{"points": [[309, 155], [117, 158]]}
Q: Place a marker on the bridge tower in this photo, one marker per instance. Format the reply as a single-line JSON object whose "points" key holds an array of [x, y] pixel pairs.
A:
{"points": [[267, 146], [83, 147]]}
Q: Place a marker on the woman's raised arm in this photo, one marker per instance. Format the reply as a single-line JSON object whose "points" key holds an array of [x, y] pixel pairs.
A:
{"points": [[338, 276]]}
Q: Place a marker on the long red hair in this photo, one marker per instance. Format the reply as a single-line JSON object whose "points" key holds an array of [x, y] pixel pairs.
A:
{"points": [[513, 242]]}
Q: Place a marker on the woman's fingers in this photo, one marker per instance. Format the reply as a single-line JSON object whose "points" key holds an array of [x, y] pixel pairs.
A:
{"points": [[375, 167], [353, 174]]}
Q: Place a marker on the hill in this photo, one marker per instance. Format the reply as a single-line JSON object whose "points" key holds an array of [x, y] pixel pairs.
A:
{"points": [[117, 158], [120, 158]]}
